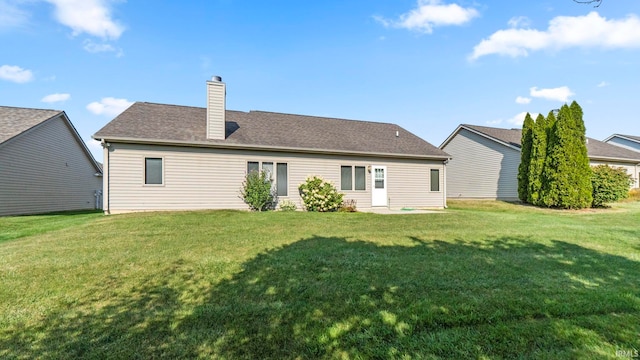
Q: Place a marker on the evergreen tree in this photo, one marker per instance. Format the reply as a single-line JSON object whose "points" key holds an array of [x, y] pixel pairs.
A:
{"points": [[576, 111], [582, 166], [525, 158], [547, 195], [567, 175], [537, 159]]}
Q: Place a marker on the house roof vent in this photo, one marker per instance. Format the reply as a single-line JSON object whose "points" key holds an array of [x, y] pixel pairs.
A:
{"points": [[216, 78]]}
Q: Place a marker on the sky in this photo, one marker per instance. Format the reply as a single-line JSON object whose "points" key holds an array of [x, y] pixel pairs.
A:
{"points": [[426, 65]]}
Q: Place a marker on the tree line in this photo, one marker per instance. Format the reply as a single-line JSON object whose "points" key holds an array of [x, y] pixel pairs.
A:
{"points": [[554, 169]]}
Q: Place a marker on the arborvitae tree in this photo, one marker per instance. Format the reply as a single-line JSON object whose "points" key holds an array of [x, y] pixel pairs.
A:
{"points": [[525, 158], [566, 176], [577, 113], [582, 166], [537, 158], [547, 196]]}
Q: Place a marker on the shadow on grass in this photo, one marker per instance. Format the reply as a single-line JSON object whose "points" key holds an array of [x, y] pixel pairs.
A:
{"points": [[332, 297]]}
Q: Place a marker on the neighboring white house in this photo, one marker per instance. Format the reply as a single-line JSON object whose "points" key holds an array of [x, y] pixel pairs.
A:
{"points": [[485, 161], [626, 141], [44, 164], [168, 157]]}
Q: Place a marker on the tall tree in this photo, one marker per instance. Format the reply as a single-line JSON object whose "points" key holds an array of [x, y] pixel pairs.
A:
{"points": [[566, 176], [547, 192], [537, 159], [582, 166], [525, 158]]}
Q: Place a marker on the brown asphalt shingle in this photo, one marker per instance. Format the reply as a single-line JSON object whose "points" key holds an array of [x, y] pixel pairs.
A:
{"points": [[181, 124], [14, 121], [596, 149]]}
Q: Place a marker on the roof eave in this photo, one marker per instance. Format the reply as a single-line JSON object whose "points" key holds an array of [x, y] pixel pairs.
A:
{"points": [[265, 148], [608, 158], [622, 137], [480, 134]]}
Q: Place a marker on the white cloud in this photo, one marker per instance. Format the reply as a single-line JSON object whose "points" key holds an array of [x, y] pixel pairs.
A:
{"points": [[88, 16], [11, 16], [518, 119], [430, 14], [494, 122], [15, 74], [603, 84], [562, 93], [519, 22], [109, 106], [93, 48], [523, 100], [589, 31], [94, 146], [52, 98]]}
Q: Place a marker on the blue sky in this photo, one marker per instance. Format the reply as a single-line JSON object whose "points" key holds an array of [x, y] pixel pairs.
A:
{"points": [[427, 65]]}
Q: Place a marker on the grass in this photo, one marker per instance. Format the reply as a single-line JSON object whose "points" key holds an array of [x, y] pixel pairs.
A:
{"points": [[21, 226], [482, 280]]}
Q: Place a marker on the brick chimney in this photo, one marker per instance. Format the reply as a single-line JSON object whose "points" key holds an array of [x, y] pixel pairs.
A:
{"points": [[216, 98]]}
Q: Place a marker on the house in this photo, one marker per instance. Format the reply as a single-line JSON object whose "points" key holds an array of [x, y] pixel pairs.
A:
{"points": [[485, 161], [44, 164], [169, 157], [626, 141]]}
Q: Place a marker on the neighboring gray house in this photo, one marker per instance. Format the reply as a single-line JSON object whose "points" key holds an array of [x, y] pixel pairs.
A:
{"points": [[485, 161], [626, 141], [168, 157], [44, 164]]}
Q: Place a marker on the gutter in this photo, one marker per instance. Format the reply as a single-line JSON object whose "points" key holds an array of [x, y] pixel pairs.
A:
{"points": [[267, 148]]}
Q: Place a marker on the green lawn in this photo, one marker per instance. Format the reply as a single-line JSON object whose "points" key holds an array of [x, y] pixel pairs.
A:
{"points": [[481, 280]]}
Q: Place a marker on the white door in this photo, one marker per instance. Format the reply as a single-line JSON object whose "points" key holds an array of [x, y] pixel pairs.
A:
{"points": [[379, 186]]}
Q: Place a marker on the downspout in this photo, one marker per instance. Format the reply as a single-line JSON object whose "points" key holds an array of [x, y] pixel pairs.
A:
{"points": [[444, 182], [106, 203]]}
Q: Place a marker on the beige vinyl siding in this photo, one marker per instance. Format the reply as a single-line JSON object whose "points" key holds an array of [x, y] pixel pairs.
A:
{"points": [[481, 168], [206, 178], [631, 169], [44, 170], [216, 110], [627, 144]]}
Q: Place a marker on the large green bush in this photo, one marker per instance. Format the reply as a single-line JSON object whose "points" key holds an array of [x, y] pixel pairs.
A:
{"points": [[320, 195], [257, 191], [609, 184]]}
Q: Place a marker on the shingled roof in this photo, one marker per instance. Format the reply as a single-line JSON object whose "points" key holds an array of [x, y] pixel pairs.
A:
{"points": [[181, 125], [597, 150], [14, 121]]}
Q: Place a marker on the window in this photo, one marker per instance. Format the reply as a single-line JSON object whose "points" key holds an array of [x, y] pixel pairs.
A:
{"points": [[153, 171], [361, 178], [268, 168], [279, 177], [435, 179], [282, 181], [253, 166], [347, 180], [379, 178]]}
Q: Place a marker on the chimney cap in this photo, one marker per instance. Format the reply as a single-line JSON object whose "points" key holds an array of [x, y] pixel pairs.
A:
{"points": [[216, 78]]}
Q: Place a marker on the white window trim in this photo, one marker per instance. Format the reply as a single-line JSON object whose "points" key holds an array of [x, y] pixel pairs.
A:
{"points": [[274, 175], [144, 170], [353, 178], [439, 182]]}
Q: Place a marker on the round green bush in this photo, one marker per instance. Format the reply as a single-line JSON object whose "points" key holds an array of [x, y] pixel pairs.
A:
{"points": [[320, 195], [609, 184]]}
